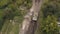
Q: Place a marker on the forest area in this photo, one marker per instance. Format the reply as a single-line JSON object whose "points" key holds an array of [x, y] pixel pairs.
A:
{"points": [[29, 16]]}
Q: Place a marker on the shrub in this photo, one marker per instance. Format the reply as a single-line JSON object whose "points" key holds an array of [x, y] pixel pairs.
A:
{"points": [[49, 25]]}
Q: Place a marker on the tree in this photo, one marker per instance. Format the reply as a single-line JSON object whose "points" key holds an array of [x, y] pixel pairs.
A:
{"points": [[51, 7]]}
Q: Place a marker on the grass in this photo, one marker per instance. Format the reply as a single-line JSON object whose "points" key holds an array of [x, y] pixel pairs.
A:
{"points": [[10, 28]]}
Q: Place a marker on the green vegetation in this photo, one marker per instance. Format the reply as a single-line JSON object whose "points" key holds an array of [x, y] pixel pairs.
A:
{"points": [[51, 8], [49, 18], [14, 10], [49, 25]]}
